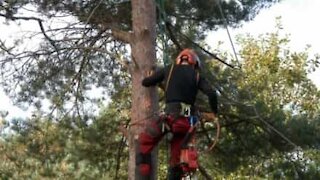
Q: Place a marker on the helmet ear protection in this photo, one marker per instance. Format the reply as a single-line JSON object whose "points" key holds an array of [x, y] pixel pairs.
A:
{"points": [[189, 56]]}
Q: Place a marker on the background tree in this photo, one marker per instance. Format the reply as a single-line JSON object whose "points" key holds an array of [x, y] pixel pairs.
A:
{"points": [[86, 51], [269, 111], [248, 148]]}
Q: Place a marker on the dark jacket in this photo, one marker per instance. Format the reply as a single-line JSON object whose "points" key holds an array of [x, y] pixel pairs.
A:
{"points": [[183, 85]]}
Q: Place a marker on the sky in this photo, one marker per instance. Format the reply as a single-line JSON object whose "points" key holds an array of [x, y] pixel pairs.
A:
{"points": [[298, 20], [297, 17]]}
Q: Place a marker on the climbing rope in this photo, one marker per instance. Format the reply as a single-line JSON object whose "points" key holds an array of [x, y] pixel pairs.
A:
{"points": [[215, 139], [162, 30], [182, 35], [250, 95], [225, 23]]}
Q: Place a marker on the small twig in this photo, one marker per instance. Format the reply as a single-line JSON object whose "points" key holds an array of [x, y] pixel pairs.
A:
{"points": [[204, 173]]}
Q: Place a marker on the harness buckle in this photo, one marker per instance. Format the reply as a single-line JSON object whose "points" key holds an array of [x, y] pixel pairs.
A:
{"points": [[186, 109]]}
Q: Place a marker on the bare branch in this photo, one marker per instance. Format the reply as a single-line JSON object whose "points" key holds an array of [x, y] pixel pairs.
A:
{"points": [[40, 25], [173, 37], [124, 36], [20, 17], [204, 173]]}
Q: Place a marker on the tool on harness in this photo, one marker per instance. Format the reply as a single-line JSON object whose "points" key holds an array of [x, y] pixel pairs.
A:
{"points": [[189, 154], [166, 129], [185, 110]]}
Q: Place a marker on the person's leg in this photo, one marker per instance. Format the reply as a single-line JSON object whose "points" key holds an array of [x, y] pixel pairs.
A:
{"points": [[175, 173], [179, 129], [146, 142]]}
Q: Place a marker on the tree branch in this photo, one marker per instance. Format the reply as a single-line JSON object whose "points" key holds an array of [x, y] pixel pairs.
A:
{"points": [[124, 36], [172, 37], [204, 173], [20, 17], [169, 26], [51, 41]]}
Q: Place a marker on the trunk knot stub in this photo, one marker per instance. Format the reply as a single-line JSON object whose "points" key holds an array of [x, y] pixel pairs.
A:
{"points": [[136, 137], [147, 105]]}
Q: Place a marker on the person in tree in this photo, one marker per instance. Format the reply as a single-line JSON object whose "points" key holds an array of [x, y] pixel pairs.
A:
{"points": [[182, 81]]}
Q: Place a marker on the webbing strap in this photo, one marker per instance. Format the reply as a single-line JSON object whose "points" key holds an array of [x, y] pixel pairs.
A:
{"points": [[169, 77], [162, 30], [198, 77]]}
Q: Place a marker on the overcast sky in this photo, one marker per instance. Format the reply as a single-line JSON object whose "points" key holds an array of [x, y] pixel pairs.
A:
{"points": [[298, 19]]}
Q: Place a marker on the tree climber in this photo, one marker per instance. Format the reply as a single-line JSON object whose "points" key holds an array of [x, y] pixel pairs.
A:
{"points": [[182, 81]]}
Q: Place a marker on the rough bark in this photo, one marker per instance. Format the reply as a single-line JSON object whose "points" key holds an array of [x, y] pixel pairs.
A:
{"points": [[144, 100]]}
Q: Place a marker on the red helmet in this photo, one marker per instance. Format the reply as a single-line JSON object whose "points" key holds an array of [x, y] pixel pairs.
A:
{"points": [[190, 56]]}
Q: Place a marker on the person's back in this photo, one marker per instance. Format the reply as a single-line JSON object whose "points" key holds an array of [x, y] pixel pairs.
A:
{"points": [[182, 81], [182, 85]]}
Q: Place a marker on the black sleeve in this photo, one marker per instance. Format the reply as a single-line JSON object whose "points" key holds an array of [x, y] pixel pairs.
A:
{"points": [[212, 95], [154, 79]]}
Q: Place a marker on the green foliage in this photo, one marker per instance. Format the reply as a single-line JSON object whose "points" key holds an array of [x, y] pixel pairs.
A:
{"points": [[272, 87], [82, 53], [43, 149], [206, 13], [40, 148], [74, 148], [279, 76]]}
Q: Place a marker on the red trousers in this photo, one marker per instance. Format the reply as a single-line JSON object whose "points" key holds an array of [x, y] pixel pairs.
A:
{"points": [[154, 132]]}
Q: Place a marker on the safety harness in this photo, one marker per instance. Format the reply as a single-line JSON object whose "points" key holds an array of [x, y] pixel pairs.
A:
{"points": [[188, 155]]}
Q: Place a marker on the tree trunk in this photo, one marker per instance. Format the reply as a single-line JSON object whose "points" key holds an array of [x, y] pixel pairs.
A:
{"points": [[144, 100]]}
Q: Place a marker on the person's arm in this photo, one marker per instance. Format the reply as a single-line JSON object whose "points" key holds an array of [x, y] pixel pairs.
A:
{"points": [[212, 94], [154, 78]]}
